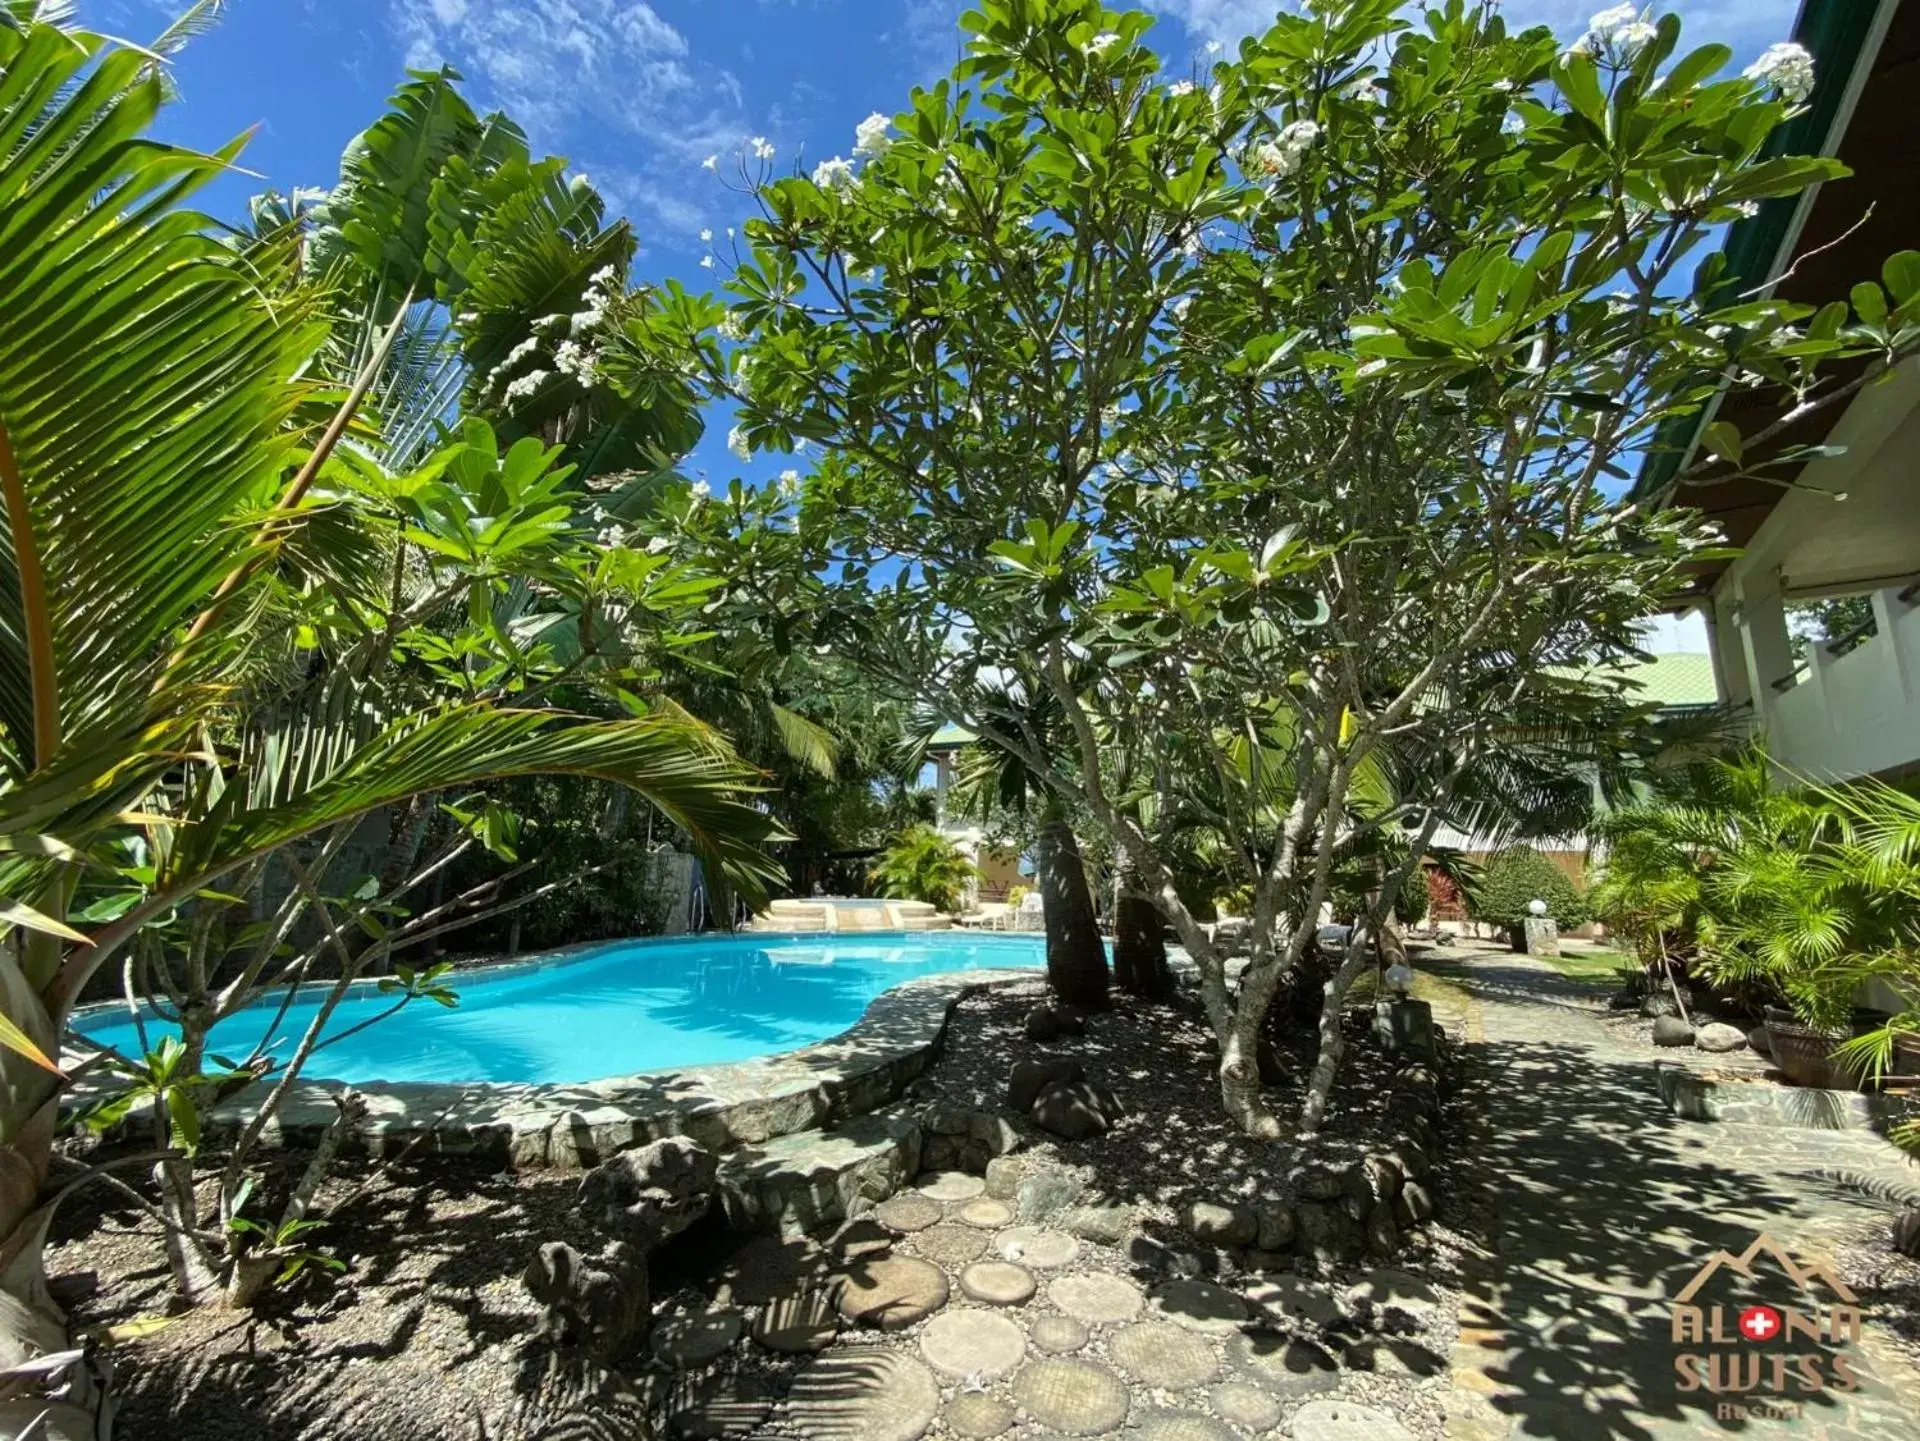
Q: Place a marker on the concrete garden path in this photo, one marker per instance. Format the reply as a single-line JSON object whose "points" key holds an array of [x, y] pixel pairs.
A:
{"points": [[1600, 1207]]}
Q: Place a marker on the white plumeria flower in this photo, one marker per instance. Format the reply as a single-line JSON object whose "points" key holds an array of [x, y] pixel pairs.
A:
{"points": [[870, 135], [1788, 68], [706, 262], [1367, 91], [701, 490], [1181, 307], [1180, 87], [730, 327], [761, 147], [1103, 42], [526, 385], [1608, 21], [834, 174], [738, 443], [712, 162], [789, 482], [706, 236], [605, 278], [658, 544]]}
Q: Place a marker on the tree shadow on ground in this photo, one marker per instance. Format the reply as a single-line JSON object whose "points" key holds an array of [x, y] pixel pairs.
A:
{"points": [[1600, 1207]]}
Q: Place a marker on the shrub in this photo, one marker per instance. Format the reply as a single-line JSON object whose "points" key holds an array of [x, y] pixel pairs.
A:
{"points": [[923, 865], [1515, 878]]}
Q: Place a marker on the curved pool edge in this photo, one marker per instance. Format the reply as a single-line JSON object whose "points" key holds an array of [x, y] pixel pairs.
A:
{"points": [[580, 1124]]}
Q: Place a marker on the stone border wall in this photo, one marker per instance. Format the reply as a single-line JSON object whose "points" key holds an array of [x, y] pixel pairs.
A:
{"points": [[1758, 1101], [581, 1124]]}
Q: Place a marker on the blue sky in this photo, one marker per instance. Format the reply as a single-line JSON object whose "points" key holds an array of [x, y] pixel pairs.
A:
{"points": [[638, 94]]}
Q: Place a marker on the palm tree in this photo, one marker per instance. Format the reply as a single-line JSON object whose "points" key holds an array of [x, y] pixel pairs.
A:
{"points": [[158, 442]]}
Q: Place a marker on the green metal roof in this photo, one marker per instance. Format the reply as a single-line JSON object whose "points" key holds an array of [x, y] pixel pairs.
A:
{"points": [[1682, 679], [950, 737], [1835, 32]]}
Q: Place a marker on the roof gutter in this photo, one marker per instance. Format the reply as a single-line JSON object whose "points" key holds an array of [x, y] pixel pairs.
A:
{"points": [[1844, 37]]}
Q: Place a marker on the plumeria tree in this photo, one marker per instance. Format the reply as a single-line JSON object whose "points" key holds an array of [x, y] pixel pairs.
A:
{"points": [[1267, 420]]}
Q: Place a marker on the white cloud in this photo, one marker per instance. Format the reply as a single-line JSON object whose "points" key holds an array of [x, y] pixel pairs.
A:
{"points": [[611, 76]]}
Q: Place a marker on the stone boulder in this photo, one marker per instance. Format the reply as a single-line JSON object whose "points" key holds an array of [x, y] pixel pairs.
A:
{"points": [[1029, 1078], [1672, 1031], [1758, 1040], [1215, 1223], [1048, 1022], [1076, 1110], [1718, 1036], [646, 1195]]}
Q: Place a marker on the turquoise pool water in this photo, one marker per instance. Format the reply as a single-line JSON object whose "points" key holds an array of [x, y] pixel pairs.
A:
{"points": [[626, 1006]]}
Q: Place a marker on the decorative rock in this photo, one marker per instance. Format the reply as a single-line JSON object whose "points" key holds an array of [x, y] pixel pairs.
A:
{"points": [[975, 1413], [1004, 1175], [1292, 1368], [863, 1393], [997, 1283], [891, 1293], [1179, 1426], [1382, 1176], [1159, 1353], [721, 1406], [1344, 1421], [1276, 1226], [1413, 1205], [991, 1133], [1044, 1193], [950, 1245], [972, 1345], [1041, 1024], [695, 1338], [796, 1324], [1411, 1160], [1659, 1003], [908, 1211], [1039, 1249], [1029, 1078], [1199, 1306], [1215, 1224], [1247, 1407], [944, 1119], [952, 1186], [797, 1182], [1300, 1302], [1074, 1110], [1098, 1298], [1672, 1031], [1316, 1183], [1069, 1021], [1719, 1037], [1107, 1224], [653, 1192], [985, 1213], [859, 1240], [1383, 1297], [1759, 1040], [1057, 1335], [1383, 1232], [1076, 1397], [1325, 1233]]}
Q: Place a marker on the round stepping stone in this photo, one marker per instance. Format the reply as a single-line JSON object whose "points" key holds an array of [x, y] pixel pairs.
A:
{"points": [[974, 1413], [1096, 1299], [1057, 1334], [950, 1245], [997, 1283], [908, 1211], [1159, 1353], [1036, 1247], [1292, 1368], [1247, 1407], [1179, 1426], [727, 1405], [1344, 1421], [798, 1323], [952, 1186], [1385, 1297], [1301, 1302], [985, 1212], [1076, 1397], [892, 1293], [863, 1393], [972, 1345], [1200, 1306], [695, 1338]]}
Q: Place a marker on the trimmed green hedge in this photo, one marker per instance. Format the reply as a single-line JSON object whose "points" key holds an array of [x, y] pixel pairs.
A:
{"points": [[1513, 878]]}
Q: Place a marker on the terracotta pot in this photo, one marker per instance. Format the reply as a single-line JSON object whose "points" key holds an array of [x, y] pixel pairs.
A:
{"points": [[1804, 1053]]}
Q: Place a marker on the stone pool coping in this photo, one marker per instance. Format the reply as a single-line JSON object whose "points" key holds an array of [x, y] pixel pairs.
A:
{"points": [[1698, 1092], [579, 1124]]}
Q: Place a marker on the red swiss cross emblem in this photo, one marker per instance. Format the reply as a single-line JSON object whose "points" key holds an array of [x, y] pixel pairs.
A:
{"points": [[1759, 1323]]}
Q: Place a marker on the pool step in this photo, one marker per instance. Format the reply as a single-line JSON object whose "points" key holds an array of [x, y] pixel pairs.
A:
{"points": [[797, 1182]]}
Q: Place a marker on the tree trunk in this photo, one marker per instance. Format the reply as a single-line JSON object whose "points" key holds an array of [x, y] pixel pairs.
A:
{"points": [[1139, 947], [1076, 956]]}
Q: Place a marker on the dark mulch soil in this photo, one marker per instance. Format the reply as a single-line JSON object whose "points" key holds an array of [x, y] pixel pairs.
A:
{"points": [[423, 1336]]}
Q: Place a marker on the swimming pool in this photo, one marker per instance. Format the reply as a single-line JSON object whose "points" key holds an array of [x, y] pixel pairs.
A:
{"points": [[609, 1010]]}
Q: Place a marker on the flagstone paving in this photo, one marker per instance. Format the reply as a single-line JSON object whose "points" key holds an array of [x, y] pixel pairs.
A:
{"points": [[1599, 1207]]}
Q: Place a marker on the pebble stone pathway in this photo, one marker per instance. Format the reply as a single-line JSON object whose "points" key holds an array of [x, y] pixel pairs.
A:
{"points": [[1603, 1206]]}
